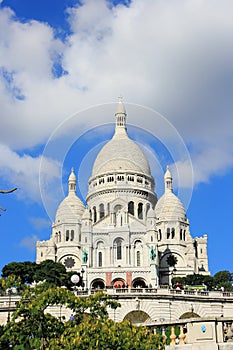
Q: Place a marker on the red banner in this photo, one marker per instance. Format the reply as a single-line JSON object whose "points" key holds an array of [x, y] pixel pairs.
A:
{"points": [[129, 279], [108, 279]]}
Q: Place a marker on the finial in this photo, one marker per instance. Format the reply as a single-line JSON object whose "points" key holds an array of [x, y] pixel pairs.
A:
{"points": [[72, 169], [120, 98]]}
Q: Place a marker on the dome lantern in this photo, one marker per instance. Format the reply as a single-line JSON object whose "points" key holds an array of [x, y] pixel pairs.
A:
{"points": [[72, 182], [168, 180], [120, 117]]}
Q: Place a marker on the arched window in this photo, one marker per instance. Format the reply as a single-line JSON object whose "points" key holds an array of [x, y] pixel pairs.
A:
{"points": [[173, 232], [101, 211], [72, 235], [94, 214], [100, 259], [181, 234], [184, 235], [131, 207], [138, 258], [168, 233], [67, 235], [118, 249], [140, 210], [147, 208]]}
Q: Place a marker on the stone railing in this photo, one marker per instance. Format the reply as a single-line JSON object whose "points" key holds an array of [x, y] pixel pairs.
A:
{"points": [[201, 333], [166, 291]]}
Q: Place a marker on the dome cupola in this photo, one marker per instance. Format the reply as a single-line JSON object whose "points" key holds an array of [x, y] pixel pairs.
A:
{"points": [[120, 153], [121, 166], [169, 207], [71, 208]]}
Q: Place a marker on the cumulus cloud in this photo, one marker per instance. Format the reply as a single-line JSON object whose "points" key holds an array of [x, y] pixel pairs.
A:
{"points": [[175, 57]]}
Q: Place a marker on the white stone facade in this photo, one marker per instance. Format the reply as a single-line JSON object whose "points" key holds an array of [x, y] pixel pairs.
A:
{"points": [[124, 236]]}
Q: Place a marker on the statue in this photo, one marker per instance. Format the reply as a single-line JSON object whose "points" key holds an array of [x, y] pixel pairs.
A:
{"points": [[84, 256], [152, 253]]}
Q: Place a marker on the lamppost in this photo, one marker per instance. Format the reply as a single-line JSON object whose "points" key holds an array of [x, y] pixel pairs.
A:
{"points": [[82, 274], [75, 279]]}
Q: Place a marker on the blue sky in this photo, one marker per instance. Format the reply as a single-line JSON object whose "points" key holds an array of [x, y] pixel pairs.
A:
{"points": [[62, 66]]}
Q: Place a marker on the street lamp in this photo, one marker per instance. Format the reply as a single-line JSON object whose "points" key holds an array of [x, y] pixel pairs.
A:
{"points": [[82, 273], [75, 279]]}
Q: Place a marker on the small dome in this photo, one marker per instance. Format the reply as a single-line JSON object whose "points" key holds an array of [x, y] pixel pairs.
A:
{"points": [[170, 207], [70, 209], [167, 175], [72, 176]]}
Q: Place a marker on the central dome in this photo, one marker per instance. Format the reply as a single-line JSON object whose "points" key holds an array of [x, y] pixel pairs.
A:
{"points": [[121, 153]]}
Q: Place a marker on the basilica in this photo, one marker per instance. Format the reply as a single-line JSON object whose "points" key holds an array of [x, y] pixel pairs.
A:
{"points": [[124, 235]]}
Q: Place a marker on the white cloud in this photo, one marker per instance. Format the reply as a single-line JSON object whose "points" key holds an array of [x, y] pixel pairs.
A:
{"points": [[29, 242], [40, 223], [175, 57], [22, 171]]}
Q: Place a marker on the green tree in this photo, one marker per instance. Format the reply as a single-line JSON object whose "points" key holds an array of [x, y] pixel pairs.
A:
{"points": [[223, 279], [195, 280], [50, 271], [24, 270], [33, 328], [98, 334], [9, 282]]}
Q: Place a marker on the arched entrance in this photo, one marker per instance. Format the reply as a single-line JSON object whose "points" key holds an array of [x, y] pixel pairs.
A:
{"points": [[98, 284], [139, 283], [138, 317], [118, 283]]}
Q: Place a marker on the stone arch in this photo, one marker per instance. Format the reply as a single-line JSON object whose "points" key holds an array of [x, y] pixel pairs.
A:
{"points": [[189, 314], [118, 244], [117, 202], [99, 253], [98, 283], [100, 244], [137, 242], [137, 245], [119, 282], [138, 317], [139, 282]]}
